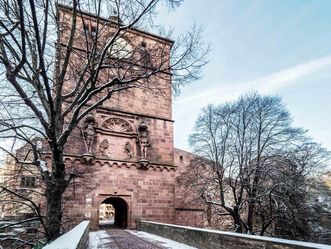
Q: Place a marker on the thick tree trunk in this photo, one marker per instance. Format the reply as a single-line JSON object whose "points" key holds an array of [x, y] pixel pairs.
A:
{"points": [[250, 216], [54, 212], [54, 191]]}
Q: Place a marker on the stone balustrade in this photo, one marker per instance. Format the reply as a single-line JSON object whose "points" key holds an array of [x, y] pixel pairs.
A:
{"points": [[212, 239]]}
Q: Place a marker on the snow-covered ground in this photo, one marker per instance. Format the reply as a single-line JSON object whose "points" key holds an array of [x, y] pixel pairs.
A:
{"points": [[101, 237], [167, 243], [98, 237], [108, 222]]}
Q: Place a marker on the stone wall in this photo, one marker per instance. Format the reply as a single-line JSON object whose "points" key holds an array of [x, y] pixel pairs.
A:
{"points": [[213, 239], [160, 132], [154, 99], [84, 241], [148, 193], [76, 238], [119, 165], [191, 210], [142, 101], [190, 217]]}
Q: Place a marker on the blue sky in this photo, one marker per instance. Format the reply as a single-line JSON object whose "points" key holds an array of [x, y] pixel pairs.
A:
{"points": [[277, 47]]}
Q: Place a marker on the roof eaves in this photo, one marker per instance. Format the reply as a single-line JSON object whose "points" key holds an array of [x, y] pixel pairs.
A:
{"points": [[66, 7]]}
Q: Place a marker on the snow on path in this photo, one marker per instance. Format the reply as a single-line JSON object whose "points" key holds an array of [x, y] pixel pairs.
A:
{"points": [[97, 238], [167, 243]]}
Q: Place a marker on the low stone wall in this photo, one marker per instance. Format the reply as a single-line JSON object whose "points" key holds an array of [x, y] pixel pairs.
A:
{"points": [[214, 239], [76, 238]]}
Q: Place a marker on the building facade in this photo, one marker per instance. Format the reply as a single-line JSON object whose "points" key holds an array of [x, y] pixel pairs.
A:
{"points": [[123, 150]]}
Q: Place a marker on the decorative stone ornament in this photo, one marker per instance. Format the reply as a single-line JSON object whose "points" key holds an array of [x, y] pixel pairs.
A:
{"points": [[128, 149], [88, 133], [117, 125], [144, 142], [87, 159], [143, 163], [104, 145]]}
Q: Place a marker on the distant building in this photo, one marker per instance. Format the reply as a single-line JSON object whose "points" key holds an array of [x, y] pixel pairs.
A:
{"points": [[106, 211]]}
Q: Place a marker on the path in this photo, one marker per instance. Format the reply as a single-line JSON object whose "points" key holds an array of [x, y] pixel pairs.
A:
{"points": [[128, 239]]}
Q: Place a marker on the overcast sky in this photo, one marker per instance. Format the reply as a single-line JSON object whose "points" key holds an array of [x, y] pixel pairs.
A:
{"points": [[277, 47]]}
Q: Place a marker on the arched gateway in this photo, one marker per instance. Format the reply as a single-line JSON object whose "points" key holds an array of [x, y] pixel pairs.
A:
{"points": [[117, 214]]}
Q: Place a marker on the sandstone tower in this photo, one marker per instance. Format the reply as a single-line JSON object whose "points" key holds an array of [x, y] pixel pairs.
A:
{"points": [[122, 153], [126, 147]]}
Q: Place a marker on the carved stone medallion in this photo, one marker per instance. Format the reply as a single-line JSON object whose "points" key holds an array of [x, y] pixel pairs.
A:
{"points": [[103, 147], [128, 150], [117, 125]]}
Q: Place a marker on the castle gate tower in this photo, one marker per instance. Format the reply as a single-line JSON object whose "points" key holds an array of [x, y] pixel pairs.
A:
{"points": [[125, 146]]}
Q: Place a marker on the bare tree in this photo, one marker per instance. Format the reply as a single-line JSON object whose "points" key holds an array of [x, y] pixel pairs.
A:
{"points": [[60, 62], [258, 161], [293, 184]]}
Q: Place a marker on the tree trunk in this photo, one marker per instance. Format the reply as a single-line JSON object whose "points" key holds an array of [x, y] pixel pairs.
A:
{"points": [[54, 191], [237, 220], [54, 212], [250, 216]]}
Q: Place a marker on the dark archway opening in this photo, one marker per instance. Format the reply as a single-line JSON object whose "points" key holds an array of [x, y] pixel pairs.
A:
{"points": [[113, 212]]}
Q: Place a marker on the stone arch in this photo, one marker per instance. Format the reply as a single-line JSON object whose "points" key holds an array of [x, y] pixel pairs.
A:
{"points": [[121, 210], [118, 125]]}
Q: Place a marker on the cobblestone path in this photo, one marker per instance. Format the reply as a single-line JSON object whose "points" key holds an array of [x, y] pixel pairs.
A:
{"points": [[120, 239]]}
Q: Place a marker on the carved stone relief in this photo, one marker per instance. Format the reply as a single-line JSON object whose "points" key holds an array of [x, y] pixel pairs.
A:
{"points": [[143, 140], [88, 133], [128, 150], [103, 147], [117, 125]]}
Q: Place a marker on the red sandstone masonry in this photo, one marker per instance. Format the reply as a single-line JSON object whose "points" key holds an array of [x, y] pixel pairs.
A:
{"points": [[190, 208], [149, 193]]}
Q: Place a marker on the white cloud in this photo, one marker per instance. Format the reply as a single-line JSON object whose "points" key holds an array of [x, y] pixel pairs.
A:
{"points": [[265, 84], [186, 109]]}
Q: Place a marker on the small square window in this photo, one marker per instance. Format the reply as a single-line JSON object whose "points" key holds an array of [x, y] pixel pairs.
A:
{"points": [[181, 159], [28, 182], [144, 54]]}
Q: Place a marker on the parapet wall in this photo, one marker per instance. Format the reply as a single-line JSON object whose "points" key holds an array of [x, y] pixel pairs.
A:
{"points": [[76, 238], [214, 239]]}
